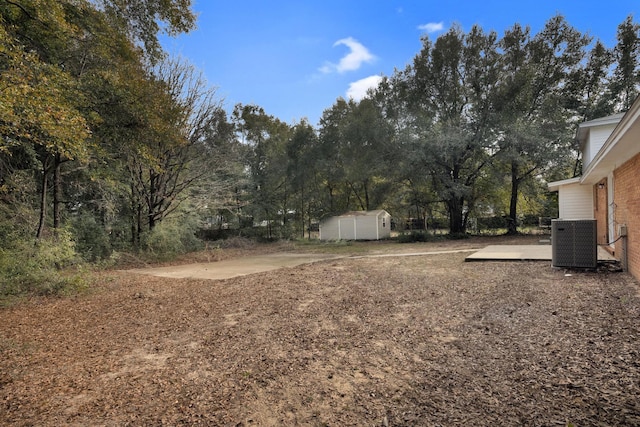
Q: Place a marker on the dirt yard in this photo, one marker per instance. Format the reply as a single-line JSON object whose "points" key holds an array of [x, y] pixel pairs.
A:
{"points": [[392, 341]]}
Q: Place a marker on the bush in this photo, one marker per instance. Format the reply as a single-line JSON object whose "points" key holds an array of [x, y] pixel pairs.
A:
{"points": [[492, 223], [28, 268], [170, 239], [414, 236], [421, 236], [92, 241]]}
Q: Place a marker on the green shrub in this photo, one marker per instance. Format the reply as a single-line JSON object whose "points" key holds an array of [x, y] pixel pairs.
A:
{"points": [[414, 236], [39, 269], [171, 238], [492, 223], [92, 240], [422, 236]]}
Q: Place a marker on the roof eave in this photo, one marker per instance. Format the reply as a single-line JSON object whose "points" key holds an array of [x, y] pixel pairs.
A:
{"points": [[619, 147]]}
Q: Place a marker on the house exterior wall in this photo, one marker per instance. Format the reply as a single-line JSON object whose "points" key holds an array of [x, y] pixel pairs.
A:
{"points": [[627, 200], [575, 202], [597, 137], [600, 207]]}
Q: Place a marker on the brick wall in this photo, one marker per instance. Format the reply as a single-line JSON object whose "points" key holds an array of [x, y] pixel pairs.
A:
{"points": [[627, 211], [600, 211]]}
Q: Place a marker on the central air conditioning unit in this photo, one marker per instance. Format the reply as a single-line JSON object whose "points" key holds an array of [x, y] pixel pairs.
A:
{"points": [[573, 243]]}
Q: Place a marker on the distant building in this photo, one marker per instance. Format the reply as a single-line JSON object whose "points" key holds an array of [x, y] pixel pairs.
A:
{"points": [[357, 225]]}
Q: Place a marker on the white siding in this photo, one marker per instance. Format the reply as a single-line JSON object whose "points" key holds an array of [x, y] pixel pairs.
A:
{"points": [[349, 229], [597, 137], [384, 226], [371, 225], [575, 201], [367, 228], [329, 229]]}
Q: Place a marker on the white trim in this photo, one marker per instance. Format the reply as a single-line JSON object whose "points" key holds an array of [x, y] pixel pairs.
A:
{"points": [[616, 150], [555, 186]]}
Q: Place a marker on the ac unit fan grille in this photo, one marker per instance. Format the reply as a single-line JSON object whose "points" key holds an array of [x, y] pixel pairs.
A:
{"points": [[574, 243]]}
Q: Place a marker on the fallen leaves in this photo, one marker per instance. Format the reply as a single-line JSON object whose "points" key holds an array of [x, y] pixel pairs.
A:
{"points": [[385, 341]]}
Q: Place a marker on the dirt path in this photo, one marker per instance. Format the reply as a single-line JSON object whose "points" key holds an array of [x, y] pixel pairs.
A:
{"points": [[227, 269], [243, 266]]}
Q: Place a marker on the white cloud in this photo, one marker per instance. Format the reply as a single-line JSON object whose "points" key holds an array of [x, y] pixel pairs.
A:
{"points": [[432, 27], [358, 90], [358, 54]]}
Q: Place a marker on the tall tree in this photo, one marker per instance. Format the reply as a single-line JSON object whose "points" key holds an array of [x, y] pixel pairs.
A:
{"points": [[301, 172], [357, 137], [144, 20], [181, 113], [265, 137], [449, 92], [41, 101], [331, 163], [624, 85], [534, 121], [587, 91]]}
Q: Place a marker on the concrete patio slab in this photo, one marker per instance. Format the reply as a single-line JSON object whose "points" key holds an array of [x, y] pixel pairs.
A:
{"points": [[227, 269], [523, 253]]}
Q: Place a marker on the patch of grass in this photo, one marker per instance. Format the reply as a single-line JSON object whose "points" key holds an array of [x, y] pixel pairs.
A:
{"points": [[336, 247]]}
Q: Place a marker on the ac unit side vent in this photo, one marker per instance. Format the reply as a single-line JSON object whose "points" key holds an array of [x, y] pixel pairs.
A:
{"points": [[573, 243]]}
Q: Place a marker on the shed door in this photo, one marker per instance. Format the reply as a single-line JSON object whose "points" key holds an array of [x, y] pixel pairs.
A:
{"points": [[347, 229]]}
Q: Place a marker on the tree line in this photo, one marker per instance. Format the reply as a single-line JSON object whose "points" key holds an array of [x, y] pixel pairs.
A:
{"points": [[474, 126], [108, 144]]}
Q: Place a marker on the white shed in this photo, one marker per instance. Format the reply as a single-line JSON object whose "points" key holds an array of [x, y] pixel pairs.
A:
{"points": [[360, 225]]}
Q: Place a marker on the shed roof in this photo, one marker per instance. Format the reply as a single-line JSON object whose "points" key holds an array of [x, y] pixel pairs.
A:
{"points": [[364, 213]]}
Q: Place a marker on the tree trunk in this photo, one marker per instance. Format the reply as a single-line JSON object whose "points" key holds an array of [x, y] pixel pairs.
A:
{"points": [[151, 205], [302, 209], [365, 184], [138, 224], [46, 167], [512, 220], [136, 210], [456, 216], [57, 192]]}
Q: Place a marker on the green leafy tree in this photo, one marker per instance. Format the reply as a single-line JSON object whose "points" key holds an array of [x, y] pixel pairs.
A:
{"points": [[40, 102], [626, 74], [217, 197], [331, 163], [265, 138], [448, 90], [587, 91], [535, 125], [144, 20], [302, 173], [356, 140], [181, 113]]}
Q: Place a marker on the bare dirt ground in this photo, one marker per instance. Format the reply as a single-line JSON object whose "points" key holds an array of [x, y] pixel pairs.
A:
{"points": [[419, 340]]}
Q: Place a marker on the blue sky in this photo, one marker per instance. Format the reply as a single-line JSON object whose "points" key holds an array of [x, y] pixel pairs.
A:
{"points": [[295, 58]]}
